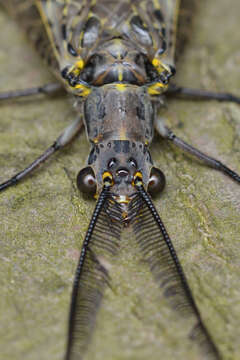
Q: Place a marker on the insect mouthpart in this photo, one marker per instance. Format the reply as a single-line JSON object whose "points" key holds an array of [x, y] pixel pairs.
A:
{"points": [[116, 162], [122, 172], [120, 165]]}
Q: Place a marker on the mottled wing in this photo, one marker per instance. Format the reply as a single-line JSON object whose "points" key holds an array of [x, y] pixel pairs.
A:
{"points": [[153, 26], [76, 28], [65, 21]]}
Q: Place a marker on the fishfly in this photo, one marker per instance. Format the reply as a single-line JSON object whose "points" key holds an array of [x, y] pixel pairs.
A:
{"points": [[116, 60]]}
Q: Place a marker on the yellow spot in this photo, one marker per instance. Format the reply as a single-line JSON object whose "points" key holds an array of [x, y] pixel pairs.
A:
{"points": [[160, 66], [84, 90], [98, 138], [107, 174], [107, 178], [157, 88], [122, 134], [75, 71], [138, 174], [120, 74], [156, 62], [77, 67], [137, 179], [66, 8], [79, 64], [121, 87]]}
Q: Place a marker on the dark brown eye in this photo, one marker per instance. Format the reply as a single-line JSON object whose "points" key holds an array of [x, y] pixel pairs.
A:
{"points": [[86, 181], [156, 182]]}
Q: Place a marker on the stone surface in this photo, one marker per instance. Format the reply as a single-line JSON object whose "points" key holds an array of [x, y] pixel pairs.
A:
{"points": [[44, 219]]}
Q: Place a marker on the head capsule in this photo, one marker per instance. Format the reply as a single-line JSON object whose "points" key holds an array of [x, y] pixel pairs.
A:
{"points": [[116, 164]]}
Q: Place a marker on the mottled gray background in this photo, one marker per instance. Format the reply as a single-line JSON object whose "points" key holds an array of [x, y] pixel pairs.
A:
{"points": [[44, 219]]}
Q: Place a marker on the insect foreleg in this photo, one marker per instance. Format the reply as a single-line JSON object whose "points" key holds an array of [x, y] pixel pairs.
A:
{"points": [[189, 93], [45, 89], [214, 163], [67, 135]]}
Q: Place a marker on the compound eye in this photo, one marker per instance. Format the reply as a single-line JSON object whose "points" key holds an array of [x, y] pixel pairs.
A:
{"points": [[156, 182], [86, 181]]}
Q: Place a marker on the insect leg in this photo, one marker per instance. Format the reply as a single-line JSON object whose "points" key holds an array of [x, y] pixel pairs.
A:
{"points": [[214, 163], [67, 135], [47, 89], [201, 94]]}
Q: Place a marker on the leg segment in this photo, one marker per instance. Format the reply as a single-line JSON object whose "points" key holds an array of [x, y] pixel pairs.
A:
{"points": [[189, 93], [45, 89], [169, 135], [67, 135]]}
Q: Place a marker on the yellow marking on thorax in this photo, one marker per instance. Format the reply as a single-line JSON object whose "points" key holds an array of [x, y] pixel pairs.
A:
{"points": [[97, 139], [156, 62], [79, 64], [122, 134], [120, 74], [77, 67], [157, 88], [160, 66], [84, 90], [121, 87]]}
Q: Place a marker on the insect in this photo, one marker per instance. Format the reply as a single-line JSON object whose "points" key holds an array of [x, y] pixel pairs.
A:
{"points": [[135, 208]]}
